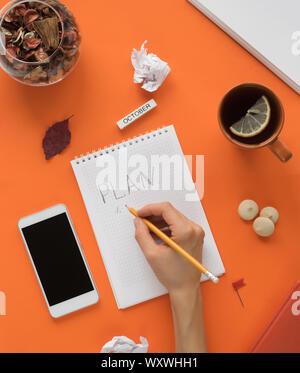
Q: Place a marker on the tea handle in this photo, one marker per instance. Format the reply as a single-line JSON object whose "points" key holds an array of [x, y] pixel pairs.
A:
{"points": [[280, 150]]}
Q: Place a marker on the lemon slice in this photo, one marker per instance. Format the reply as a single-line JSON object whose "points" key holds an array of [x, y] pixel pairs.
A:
{"points": [[255, 121]]}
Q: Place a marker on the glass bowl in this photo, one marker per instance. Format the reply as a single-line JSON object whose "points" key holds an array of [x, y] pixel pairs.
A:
{"points": [[39, 41]]}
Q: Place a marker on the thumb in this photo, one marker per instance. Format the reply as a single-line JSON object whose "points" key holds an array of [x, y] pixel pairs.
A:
{"points": [[143, 236]]}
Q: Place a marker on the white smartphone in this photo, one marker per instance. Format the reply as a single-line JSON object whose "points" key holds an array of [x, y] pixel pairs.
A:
{"points": [[58, 261]]}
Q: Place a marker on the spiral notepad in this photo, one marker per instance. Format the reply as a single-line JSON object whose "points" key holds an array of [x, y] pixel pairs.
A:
{"points": [[136, 184]]}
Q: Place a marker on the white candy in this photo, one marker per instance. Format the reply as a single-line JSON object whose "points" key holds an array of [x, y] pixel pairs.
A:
{"points": [[271, 213], [248, 209], [264, 227]]}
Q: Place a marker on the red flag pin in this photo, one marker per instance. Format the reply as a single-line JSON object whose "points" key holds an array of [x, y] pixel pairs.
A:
{"points": [[237, 285]]}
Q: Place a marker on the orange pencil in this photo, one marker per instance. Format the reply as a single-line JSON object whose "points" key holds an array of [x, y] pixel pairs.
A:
{"points": [[176, 247]]}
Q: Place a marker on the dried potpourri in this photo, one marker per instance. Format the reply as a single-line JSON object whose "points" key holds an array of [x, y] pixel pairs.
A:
{"points": [[41, 41]]}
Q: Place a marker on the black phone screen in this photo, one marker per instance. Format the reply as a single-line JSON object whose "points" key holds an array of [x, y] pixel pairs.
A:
{"points": [[57, 259]]}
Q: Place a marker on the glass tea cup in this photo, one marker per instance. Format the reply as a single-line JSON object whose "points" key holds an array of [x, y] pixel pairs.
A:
{"points": [[232, 108]]}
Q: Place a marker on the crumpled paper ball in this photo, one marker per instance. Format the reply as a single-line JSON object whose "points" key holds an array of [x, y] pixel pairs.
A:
{"points": [[149, 69], [125, 345]]}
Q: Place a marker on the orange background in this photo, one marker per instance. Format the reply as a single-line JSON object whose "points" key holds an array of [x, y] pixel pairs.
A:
{"points": [[205, 64]]}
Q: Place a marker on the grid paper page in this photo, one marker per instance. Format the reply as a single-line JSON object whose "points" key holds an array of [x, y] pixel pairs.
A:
{"points": [[130, 275]]}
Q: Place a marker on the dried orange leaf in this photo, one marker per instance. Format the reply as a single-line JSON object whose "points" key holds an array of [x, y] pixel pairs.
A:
{"points": [[30, 15], [32, 43]]}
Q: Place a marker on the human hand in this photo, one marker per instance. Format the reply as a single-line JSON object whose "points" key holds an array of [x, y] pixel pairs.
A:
{"points": [[172, 270]]}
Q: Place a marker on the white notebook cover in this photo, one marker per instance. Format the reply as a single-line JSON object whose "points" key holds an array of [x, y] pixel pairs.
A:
{"points": [[131, 278], [268, 29]]}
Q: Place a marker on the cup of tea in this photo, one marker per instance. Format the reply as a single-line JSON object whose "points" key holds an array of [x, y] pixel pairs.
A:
{"points": [[251, 116]]}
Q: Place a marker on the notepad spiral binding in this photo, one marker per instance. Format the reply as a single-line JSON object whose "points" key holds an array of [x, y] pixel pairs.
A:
{"points": [[113, 147]]}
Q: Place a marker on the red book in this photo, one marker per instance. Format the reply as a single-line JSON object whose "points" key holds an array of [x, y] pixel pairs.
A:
{"points": [[283, 332]]}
